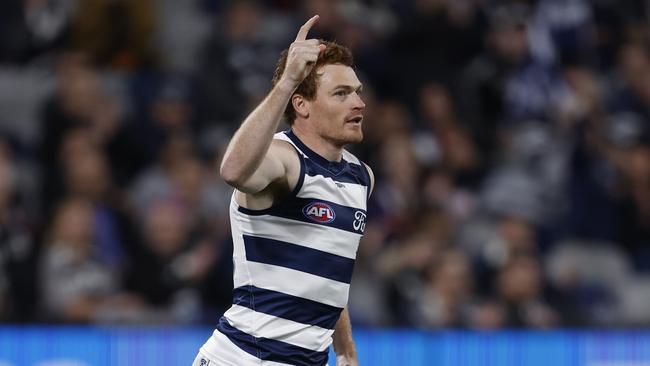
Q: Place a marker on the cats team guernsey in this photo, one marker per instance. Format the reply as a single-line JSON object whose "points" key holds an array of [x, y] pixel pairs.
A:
{"points": [[293, 265]]}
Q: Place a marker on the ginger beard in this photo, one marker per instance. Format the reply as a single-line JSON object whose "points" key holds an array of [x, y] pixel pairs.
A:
{"points": [[337, 109]]}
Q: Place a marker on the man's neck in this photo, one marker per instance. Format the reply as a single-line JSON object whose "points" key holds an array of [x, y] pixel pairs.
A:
{"points": [[319, 145]]}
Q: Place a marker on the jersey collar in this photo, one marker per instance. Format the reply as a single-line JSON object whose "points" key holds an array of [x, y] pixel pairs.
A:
{"points": [[333, 166]]}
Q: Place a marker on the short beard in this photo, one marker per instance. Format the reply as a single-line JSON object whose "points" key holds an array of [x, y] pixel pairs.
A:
{"points": [[343, 140]]}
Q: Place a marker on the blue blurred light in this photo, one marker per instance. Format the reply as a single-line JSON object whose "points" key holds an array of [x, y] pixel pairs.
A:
{"points": [[88, 346]]}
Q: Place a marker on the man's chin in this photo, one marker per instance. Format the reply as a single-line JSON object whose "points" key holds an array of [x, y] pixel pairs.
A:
{"points": [[357, 139], [346, 137], [353, 138]]}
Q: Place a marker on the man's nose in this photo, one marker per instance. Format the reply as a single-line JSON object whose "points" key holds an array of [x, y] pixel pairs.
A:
{"points": [[358, 102]]}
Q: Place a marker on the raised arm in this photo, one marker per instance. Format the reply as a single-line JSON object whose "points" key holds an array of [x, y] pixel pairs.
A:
{"points": [[252, 161]]}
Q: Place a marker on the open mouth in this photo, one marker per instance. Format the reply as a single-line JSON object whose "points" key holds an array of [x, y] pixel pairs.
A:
{"points": [[355, 119]]}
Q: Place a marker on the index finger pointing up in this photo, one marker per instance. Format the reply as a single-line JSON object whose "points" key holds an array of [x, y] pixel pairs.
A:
{"points": [[302, 33]]}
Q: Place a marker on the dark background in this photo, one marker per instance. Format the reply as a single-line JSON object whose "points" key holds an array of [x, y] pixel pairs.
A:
{"points": [[510, 141]]}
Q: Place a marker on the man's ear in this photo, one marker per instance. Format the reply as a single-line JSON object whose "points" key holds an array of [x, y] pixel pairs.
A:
{"points": [[300, 105]]}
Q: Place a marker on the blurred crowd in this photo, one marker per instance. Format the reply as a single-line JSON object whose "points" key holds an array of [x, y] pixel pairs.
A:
{"points": [[510, 141]]}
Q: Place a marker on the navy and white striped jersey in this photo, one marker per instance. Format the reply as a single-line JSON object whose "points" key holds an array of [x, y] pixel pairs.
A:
{"points": [[294, 261]]}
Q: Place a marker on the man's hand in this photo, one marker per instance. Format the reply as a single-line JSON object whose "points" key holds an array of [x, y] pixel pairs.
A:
{"points": [[303, 54], [346, 361]]}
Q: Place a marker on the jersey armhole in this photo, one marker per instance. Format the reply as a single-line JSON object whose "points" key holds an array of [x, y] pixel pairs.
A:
{"points": [[294, 191], [301, 177], [367, 174]]}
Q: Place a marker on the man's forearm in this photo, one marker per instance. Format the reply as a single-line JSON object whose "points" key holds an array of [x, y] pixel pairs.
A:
{"points": [[251, 142], [342, 337]]}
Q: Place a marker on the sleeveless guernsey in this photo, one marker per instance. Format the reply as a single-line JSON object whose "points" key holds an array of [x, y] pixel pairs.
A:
{"points": [[293, 264]]}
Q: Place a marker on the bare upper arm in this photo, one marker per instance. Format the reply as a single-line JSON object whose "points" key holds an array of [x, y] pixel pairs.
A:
{"points": [[280, 166]]}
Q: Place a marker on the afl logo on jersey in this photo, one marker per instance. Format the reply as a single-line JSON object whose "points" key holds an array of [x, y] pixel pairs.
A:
{"points": [[319, 212]]}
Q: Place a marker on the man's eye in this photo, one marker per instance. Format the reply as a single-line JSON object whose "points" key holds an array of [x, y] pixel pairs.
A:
{"points": [[340, 93]]}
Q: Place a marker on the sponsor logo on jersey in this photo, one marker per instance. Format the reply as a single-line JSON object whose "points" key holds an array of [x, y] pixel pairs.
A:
{"points": [[319, 212], [359, 222]]}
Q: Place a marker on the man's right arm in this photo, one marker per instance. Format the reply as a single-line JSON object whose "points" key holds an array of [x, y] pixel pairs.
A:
{"points": [[251, 161]]}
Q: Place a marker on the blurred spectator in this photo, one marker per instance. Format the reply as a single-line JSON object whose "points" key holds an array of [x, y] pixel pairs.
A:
{"points": [[81, 103], [433, 44], [396, 195], [181, 30], [585, 102], [519, 291], [238, 61], [561, 31], [634, 165], [458, 150], [180, 175], [14, 41], [505, 84], [588, 282], [75, 285], [117, 34], [629, 91], [367, 303], [330, 21], [32, 28], [87, 175], [404, 264], [17, 249], [446, 297], [172, 263], [363, 27], [609, 179], [168, 112], [483, 82], [507, 238], [391, 117], [440, 192]]}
